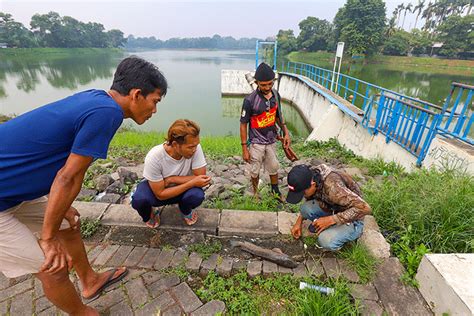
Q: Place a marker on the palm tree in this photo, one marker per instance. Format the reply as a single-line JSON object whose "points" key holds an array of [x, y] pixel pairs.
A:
{"points": [[427, 15], [418, 8], [408, 8], [399, 9]]}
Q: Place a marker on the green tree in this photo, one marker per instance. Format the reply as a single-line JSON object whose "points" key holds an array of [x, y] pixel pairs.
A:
{"points": [[361, 24], [315, 34], [115, 38], [420, 42], [15, 34], [457, 35], [286, 42], [48, 27], [398, 44]]}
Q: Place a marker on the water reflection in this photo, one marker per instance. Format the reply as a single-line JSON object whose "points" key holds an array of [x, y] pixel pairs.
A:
{"points": [[65, 72]]}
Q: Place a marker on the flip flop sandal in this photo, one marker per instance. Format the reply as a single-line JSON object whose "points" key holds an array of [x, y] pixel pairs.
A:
{"points": [[110, 280], [191, 218], [154, 220]]}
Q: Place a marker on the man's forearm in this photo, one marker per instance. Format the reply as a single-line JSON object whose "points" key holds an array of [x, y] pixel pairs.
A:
{"points": [[177, 180], [174, 191], [243, 134], [63, 192]]}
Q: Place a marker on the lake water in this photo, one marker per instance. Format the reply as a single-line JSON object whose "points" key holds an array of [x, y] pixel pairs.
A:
{"points": [[194, 85]]}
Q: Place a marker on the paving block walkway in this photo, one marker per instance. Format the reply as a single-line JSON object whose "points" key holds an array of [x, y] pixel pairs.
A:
{"points": [[152, 288]]}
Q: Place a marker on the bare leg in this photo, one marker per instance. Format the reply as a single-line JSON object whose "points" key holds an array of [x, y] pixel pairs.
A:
{"points": [[255, 187], [62, 293], [90, 280], [274, 182]]}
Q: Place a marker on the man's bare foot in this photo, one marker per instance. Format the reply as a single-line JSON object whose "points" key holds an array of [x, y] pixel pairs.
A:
{"points": [[101, 281]]}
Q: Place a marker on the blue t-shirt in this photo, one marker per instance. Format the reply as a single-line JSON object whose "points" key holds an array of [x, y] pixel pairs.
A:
{"points": [[35, 145]]}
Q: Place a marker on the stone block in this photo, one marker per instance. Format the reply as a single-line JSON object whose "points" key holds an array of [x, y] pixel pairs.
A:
{"points": [[164, 259], [135, 256], [119, 257], [95, 252], [224, 267], [286, 221], [137, 292], [254, 268], [371, 308], [41, 304], [239, 265], [269, 268], [22, 304], [15, 289], [208, 220], [364, 291], [370, 223], [284, 270], [194, 262], [375, 243], [149, 258], [186, 297], [314, 267], [248, 223], [398, 298], [209, 264], [121, 309], [163, 284], [179, 258], [173, 311], [106, 254], [347, 271], [331, 267], [108, 299], [89, 209], [211, 308], [156, 306], [447, 283], [300, 271], [122, 215]]}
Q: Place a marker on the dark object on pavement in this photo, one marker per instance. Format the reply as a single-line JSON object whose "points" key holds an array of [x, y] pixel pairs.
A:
{"points": [[271, 255]]}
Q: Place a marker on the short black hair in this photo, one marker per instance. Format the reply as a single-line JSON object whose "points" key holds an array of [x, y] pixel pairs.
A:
{"points": [[136, 73]]}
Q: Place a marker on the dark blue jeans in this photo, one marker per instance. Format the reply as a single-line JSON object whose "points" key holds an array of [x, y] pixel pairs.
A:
{"points": [[144, 199]]}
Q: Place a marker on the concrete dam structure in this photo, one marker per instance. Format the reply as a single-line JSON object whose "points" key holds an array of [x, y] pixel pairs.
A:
{"points": [[372, 121]]}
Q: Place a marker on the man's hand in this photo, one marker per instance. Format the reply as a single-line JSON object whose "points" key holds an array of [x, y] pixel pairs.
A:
{"points": [[322, 223], [55, 256], [201, 181], [286, 141], [296, 231], [73, 217], [245, 154]]}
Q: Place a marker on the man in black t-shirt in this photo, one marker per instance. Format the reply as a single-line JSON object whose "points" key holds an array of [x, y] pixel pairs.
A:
{"points": [[261, 111]]}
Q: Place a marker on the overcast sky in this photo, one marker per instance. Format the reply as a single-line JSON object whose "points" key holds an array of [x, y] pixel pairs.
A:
{"points": [[192, 18]]}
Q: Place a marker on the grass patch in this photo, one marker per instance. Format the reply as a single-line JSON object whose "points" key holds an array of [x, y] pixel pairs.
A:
{"points": [[134, 145], [276, 295], [359, 258], [427, 210], [180, 271], [205, 250], [418, 64], [89, 227]]}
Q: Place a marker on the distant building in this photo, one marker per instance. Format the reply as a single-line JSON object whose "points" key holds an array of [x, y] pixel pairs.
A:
{"points": [[435, 48], [3, 45]]}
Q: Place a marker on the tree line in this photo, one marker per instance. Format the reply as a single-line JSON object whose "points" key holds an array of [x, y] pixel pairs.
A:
{"points": [[53, 30], [215, 42], [366, 30]]}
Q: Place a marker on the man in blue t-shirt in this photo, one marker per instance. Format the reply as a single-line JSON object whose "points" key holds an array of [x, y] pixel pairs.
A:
{"points": [[46, 152]]}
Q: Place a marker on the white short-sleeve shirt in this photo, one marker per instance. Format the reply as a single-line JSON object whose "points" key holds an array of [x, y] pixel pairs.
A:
{"points": [[160, 165]]}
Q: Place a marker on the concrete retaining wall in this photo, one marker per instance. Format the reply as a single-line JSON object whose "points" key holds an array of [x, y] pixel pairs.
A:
{"points": [[327, 121]]}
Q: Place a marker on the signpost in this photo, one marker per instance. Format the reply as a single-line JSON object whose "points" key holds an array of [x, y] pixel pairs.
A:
{"points": [[339, 53]]}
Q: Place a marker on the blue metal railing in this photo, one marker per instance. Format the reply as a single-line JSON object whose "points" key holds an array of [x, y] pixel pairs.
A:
{"points": [[410, 122], [458, 121]]}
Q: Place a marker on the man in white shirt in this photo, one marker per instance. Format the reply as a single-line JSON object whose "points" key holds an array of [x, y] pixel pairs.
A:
{"points": [[175, 173]]}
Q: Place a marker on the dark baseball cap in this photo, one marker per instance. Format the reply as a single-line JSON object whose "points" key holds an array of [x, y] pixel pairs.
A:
{"points": [[299, 179]]}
